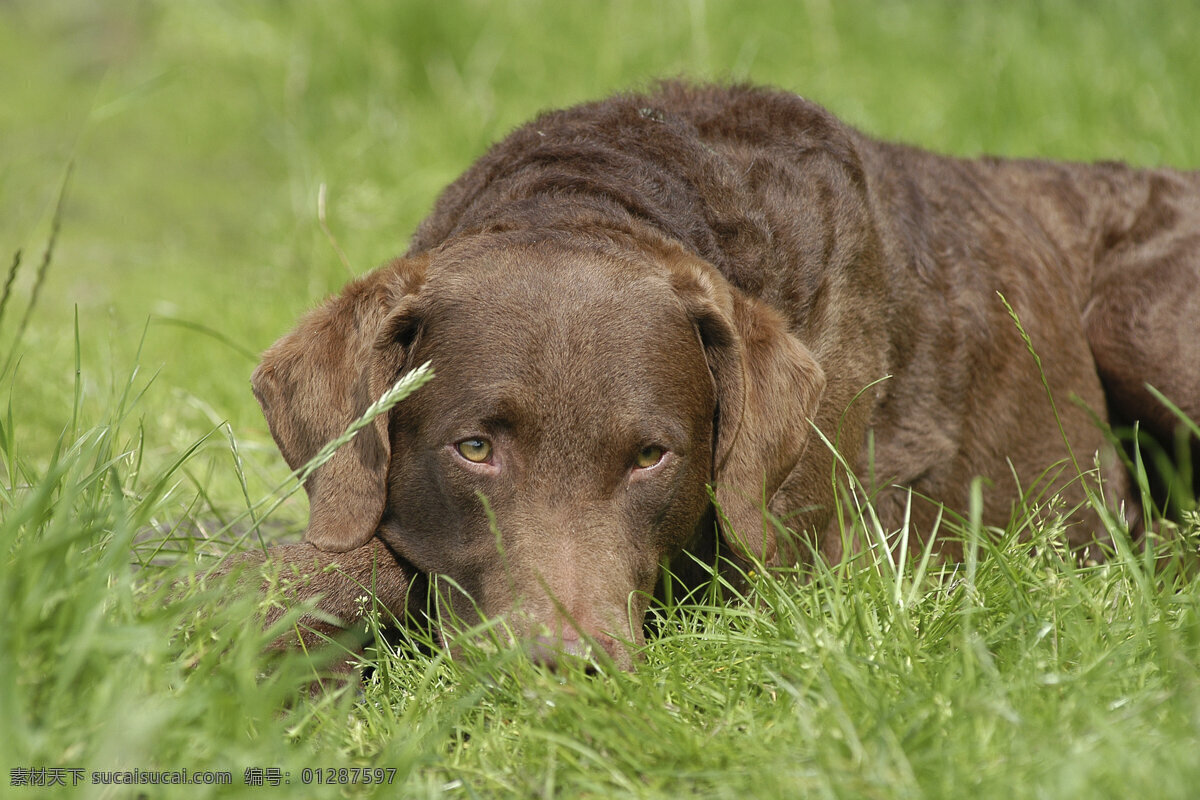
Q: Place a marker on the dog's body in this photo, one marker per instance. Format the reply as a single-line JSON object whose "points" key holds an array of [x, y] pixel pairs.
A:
{"points": [[629, 301]]}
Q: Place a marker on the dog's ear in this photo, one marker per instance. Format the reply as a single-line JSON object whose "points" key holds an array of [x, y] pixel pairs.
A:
{"points": [[322, 376], [768, 386]]}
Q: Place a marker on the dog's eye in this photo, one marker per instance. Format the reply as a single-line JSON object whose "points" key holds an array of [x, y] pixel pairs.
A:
{"points": [[475, 450], [648, 456]]}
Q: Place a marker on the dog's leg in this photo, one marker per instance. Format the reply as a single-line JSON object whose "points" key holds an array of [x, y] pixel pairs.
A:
{"points": [[343, 584]]}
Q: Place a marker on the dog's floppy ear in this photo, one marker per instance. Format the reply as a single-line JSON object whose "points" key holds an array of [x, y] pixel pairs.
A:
{"points": [[768, 386], [322, 376]]}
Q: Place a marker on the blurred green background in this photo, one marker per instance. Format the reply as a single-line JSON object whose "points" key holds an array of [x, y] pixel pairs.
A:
{"points": [[201, 133]]}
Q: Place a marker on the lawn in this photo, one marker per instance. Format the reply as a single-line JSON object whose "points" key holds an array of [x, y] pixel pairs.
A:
{"points": [[206, 171]]}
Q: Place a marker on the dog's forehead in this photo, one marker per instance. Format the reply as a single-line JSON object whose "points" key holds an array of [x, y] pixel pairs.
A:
{"points": [[586, 302], [498, 272], [558, 322]]}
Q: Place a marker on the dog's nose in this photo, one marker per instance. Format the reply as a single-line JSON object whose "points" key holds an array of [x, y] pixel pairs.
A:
{"points": [[555, 653]]}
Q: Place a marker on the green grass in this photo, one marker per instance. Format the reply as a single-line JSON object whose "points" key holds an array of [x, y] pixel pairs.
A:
{"points": [[200, 135]]}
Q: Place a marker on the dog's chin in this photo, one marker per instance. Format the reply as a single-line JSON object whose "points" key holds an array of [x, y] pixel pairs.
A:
{"points": [[570, 652], [591, 654]]}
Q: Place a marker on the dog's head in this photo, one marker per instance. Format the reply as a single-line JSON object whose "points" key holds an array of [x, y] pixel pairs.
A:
{"points": [[585, 399]]}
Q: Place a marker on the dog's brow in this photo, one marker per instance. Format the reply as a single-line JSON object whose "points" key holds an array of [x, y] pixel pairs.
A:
{"points": [[496, 414], [660, 430]]}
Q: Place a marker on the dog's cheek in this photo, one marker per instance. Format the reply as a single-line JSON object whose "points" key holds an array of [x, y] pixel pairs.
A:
{"points": [[421, 521], [660, 527], [437, 522], [680, 509]]}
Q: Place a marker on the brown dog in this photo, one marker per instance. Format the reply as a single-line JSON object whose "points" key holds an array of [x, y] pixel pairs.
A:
{"points": [[631, 301]]}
